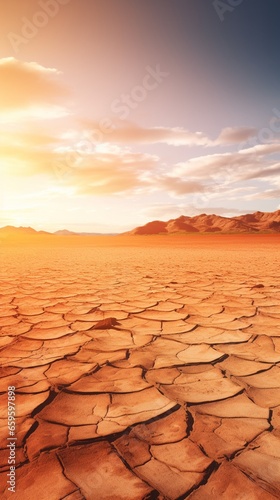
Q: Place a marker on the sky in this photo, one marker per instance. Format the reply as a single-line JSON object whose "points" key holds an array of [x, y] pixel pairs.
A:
{"points": [[114, 113]]}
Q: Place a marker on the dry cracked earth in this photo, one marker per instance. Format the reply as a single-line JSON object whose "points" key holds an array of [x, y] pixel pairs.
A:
{"points": [[142, 373]]}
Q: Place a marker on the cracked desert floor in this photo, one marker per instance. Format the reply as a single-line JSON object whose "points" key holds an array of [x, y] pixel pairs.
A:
{"points": [[144, 367]]}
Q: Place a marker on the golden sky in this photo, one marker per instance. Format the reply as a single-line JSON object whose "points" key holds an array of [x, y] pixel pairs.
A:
{"points": [[116, 112]]}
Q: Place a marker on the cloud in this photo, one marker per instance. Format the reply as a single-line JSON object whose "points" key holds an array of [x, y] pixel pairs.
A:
{"points": [[211, 166], [112, 169], [265, 195], [88, 167], [26, 154], [225, 175], [262, 149], [97, 174], [172, 136], [245, 164], [133, 134], [179, 186], [272, 171], [27, 88], [107, 170], [235, 135], [24, 139], [116, 173]]}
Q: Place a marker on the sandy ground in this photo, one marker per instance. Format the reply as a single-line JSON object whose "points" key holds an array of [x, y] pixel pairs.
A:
{"points": [[144, 367]]}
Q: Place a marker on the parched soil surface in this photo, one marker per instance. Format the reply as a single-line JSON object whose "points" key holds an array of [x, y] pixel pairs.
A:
{"points": [[145, 368]]}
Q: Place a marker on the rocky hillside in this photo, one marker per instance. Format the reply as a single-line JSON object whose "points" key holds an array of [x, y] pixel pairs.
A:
{"points": [[249, 223]]}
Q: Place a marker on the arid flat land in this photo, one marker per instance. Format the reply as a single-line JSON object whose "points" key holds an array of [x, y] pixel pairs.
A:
{"points": [[144, 367]]}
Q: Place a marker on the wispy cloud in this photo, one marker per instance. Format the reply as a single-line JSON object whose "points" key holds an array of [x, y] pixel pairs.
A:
{"points": [[235, 135], [130, 133], [177, 186], [98, 173], [245, 164], [110, 168], [265, 195], [119, 168], [119, 172], [173, 136], [265, 172], [30, 90]]}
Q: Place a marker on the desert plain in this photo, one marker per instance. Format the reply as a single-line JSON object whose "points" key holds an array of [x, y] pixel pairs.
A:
{"points": [[145, 367]]}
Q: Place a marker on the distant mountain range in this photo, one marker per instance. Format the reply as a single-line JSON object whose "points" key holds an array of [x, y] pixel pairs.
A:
{"points": [[65, 232], [26, 231], [268, 222], [258, 222], [11, 230]]}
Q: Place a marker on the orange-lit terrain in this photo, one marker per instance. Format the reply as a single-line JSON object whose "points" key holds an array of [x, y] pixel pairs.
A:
{"points": [[145, 367], [139, 250]]}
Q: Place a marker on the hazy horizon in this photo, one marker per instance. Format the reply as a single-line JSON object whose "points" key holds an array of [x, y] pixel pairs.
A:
{"points": [[113, 233]]}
